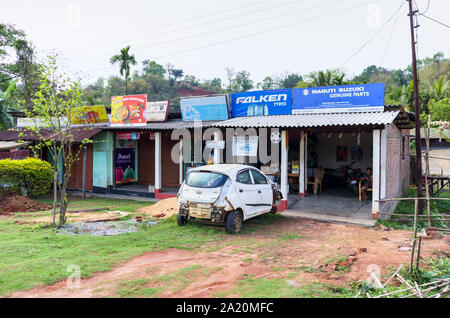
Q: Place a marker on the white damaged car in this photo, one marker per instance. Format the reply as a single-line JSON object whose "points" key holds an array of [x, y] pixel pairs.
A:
{"points": [[226, 194]]}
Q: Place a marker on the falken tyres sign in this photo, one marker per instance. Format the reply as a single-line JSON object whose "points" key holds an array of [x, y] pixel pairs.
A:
{"points": [[262, 103], [348, 98]]}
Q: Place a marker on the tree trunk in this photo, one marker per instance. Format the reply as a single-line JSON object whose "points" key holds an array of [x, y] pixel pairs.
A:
{"points": [[55, 194], [126, 85]]}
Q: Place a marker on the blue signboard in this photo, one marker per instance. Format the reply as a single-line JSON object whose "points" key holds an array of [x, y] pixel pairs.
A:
{"points": [[262, 103], [348, 98], [204, 108]]}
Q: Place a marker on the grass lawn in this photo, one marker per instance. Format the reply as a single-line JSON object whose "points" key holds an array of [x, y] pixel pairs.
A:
{"points": [[33, 255]]}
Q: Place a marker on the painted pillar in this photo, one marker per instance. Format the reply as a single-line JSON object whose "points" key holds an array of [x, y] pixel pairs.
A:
{"points": [[383, 157], [217, 152], [180, 159], [284, 169], [157, 163], [376, 172], [302, 166]]}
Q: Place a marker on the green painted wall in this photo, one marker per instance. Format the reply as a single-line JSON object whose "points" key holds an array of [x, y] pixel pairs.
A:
{"points": [[102, 159]]}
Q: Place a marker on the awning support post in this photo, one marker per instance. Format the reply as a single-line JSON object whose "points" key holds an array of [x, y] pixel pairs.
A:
{"points": [[157, 163], [180, 165], [217, 151], [302, 189], [284, 170], [376, 172]]}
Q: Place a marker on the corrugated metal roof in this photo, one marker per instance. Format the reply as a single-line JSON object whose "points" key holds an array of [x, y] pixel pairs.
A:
{"points": [[13, 134], [6, 145], [312, 120], [78, 133], [171, 124]]}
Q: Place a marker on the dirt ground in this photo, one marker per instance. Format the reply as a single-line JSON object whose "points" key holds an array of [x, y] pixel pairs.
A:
{"points": [[17, 203], [304, 250]]}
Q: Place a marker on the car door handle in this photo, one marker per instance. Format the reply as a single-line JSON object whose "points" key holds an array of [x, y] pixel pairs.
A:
{"points": [[259, 191], [240, 190]]}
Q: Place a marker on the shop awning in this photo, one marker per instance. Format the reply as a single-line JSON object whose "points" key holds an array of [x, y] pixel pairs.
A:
{"points": [[7, 145], [171, 124], [313, 120]]}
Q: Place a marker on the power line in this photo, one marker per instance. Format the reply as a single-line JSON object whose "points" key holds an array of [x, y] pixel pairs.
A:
{"points": [[441, 23], [372, 37], [194, 26], [249, 35], [173, 23], [213, 31], [390, 37]]}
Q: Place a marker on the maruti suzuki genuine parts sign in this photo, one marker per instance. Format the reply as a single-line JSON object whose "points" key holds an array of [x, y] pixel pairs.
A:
{"points": [[262, 103], [348, 98]]}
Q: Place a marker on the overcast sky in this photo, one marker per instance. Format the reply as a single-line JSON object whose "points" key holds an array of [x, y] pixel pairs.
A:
{"points": [[203, 37]]}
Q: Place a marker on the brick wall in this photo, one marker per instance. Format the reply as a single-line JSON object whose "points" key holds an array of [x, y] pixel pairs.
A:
{"points": [[397, 165]]}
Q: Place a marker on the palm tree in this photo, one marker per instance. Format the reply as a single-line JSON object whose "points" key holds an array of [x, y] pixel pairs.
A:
{"points": [[125, 60], [440, 88]]}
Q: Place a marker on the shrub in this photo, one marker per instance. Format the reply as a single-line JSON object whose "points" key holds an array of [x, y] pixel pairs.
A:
{"points": [[32, 175]]}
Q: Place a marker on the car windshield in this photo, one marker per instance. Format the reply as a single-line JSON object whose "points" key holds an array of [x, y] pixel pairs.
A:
{"points": [[205, 179]]}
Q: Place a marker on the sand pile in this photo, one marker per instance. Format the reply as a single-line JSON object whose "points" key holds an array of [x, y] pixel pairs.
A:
{"points": [[162, 209], [18, 203]]}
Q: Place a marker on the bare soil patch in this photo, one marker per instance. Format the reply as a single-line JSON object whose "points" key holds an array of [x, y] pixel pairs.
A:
{"points": [[17, 203], [300, 251]]}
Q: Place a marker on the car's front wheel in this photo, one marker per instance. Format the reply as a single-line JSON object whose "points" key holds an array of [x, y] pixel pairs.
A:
{"points": [[181, 220], [234, 222]]}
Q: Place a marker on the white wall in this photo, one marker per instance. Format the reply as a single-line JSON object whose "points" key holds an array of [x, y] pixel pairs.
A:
{"points": [[326, 150]]}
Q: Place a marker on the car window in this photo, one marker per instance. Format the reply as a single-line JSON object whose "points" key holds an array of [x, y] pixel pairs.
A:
{"points": [[258, 177], [244, 177], [205, 179]]}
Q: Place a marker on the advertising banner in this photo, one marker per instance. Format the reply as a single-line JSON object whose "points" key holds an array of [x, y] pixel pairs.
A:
{"points": [[348, 98], [204, 108], [245, 146], [132, 135], [124, 162], [215, 144], [128, 110], [157, 111], [262, 103], [89, 115]]}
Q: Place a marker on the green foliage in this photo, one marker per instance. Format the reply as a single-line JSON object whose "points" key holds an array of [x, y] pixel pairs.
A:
{"points": [[33, 175], [407, 207], [439, 110]]}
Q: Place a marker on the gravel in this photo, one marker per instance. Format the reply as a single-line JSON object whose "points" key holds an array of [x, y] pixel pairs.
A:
{"points": [[104, 228]]}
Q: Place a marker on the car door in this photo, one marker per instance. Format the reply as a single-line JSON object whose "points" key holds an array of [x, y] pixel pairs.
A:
{"points": [[264, 191], [247, 193]]}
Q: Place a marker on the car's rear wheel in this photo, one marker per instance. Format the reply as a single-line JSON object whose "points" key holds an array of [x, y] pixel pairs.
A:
{"points": [[181, 220], [234, 222]]}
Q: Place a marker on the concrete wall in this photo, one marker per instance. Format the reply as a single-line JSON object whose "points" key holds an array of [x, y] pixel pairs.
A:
{"points": [[326, 150], [397, 166]]}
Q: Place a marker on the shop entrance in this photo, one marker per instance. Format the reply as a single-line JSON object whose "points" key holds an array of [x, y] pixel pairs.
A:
{"points": [[338, 168]]}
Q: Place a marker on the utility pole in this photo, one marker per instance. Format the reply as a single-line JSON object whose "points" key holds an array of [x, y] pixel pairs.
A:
{"points": [[416, 106]]}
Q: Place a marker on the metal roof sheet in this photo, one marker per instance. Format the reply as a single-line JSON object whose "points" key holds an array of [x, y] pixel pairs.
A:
{"points": [[312, 120], [171, 124]]}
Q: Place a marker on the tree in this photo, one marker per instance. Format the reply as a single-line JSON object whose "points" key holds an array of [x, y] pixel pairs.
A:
{"points": [[267, 83], [177, 73], [440, 88], [151, 67], [230, 75], [440, 110], [242, 82], [290, 81], [5, 119], [125, 61], [52, 109]]}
